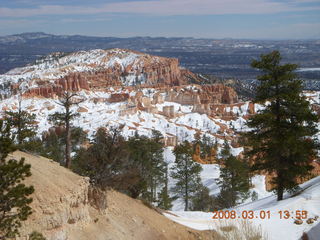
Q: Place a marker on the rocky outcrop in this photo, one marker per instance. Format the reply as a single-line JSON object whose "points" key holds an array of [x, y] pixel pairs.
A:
{"points": [[157, 98], [212, 100], [165, 72], [210, 158], [96, 70], [205, 94], [170, 140], [44, 91], [168, 111], [218, 93], [118, 97], [59, 204]]}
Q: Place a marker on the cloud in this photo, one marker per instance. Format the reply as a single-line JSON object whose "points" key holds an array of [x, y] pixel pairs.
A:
{"points": [[166, 7]]}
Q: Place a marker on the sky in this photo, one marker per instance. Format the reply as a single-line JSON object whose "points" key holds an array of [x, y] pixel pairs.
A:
{"points": [[255, 19]]}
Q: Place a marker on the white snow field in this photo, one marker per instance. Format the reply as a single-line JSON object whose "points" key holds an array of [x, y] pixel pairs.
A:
{"points": [[209, 175], [275, 228]]}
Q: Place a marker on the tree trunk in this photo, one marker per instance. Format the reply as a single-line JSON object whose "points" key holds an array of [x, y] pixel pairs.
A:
{"points": [[280, 193], [68, 145], [19, 123], [186, 200], [186, 206], [280, 188]]}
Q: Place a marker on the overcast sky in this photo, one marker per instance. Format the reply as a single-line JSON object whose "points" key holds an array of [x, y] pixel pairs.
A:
{"points": [[262, 19]]}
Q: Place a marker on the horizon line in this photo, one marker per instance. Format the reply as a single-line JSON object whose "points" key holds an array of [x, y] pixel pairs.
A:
{"points": [[168, 37]]}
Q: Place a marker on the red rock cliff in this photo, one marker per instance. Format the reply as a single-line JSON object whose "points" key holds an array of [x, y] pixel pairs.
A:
{"points": [[144, 70]]}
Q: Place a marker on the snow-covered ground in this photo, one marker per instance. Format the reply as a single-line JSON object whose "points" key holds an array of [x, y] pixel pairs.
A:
{"points": [[209, 175], [104, 114], [275, 227]]}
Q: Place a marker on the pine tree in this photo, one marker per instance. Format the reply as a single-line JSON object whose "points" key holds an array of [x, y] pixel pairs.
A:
{"points": [[281, 141], [205, 143], [206, 146], [164, 198], [157, 169], [67, 100], [14, 200], [105, 161], [234, 179], [23, 124], [6, 142], [147, 156], [202, 201], [52, 147], [186, 172]]}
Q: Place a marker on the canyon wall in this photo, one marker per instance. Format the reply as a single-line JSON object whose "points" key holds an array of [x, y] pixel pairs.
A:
{"points": [[145, 71]]}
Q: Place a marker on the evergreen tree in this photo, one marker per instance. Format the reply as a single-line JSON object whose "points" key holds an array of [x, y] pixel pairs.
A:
{"points": [[105, 161], [14, 200], [23, 124], [186, 172], [135, 166], [281, 141], [147, 156], [158, 167], [52, 145], [225, 151], [205, 143], [6, 142], [164, 199], [234, 180], [67, 100], [202, 201], [206, 146]]}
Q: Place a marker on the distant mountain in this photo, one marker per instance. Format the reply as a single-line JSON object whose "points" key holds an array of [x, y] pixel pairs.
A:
{"points": [[222, 58]]}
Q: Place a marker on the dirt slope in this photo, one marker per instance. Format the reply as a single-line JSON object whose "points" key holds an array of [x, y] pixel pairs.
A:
{"points": [[62, 210]]}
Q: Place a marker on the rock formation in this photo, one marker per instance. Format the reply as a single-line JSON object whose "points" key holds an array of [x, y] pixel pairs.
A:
{"points": [[168, 111], [95, 70], [205, 94]]}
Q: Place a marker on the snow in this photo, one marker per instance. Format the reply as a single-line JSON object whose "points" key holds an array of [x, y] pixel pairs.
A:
{"points": [[259, 183], [276, 228], [209, 175], [57, 65], [105, 114], [308, 69], [314, 233]]}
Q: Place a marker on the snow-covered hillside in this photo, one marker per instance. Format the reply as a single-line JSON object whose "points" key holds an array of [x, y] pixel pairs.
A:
{"points": [[102, 114], [275, 227], [57, 65], [209, 176], [113, 67]]}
